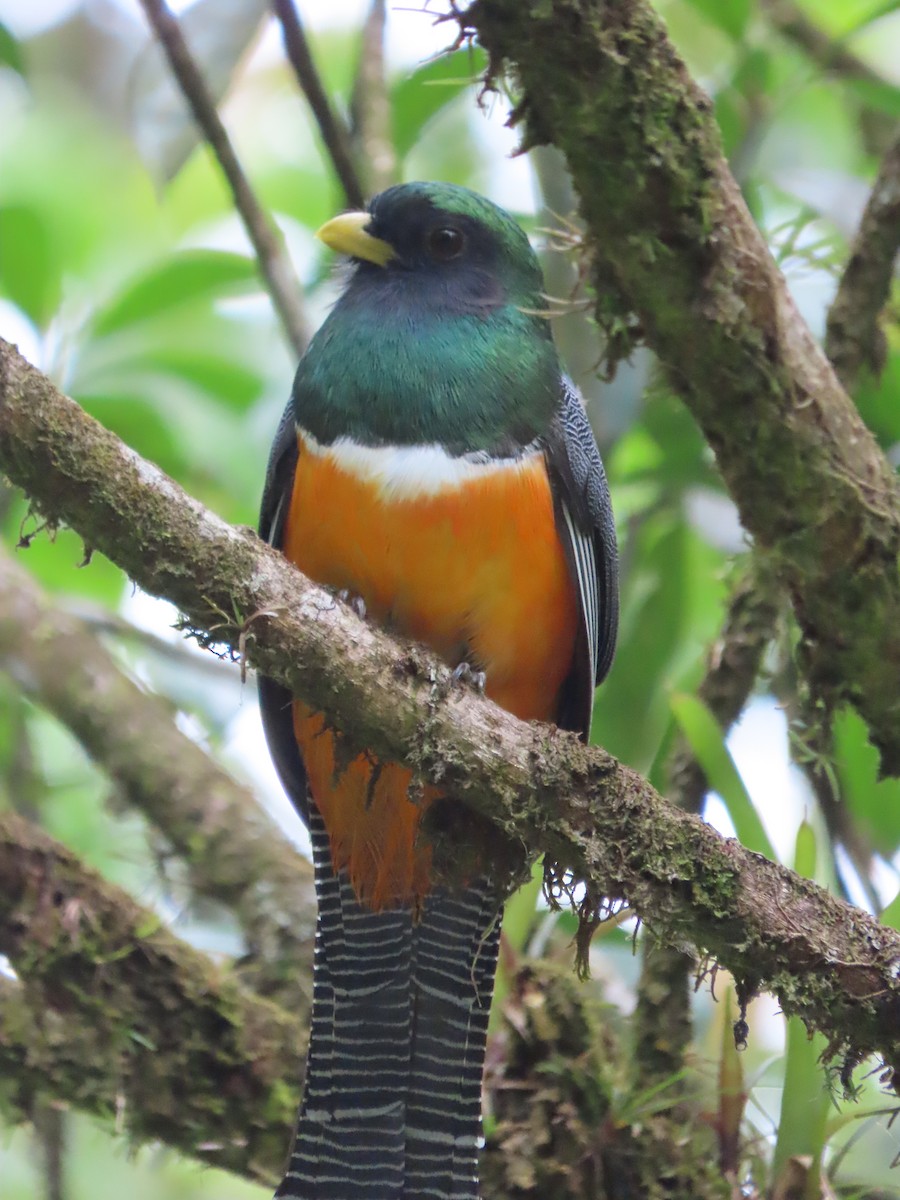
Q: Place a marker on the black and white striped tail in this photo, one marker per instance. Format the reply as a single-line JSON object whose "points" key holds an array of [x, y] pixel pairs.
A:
{"points": [[392, 1104]]}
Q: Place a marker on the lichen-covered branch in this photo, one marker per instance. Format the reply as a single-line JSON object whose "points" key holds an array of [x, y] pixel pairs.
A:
{"points": [[540, 787], [675, 244], [116, 1016], [854, 340], [233, 852]]}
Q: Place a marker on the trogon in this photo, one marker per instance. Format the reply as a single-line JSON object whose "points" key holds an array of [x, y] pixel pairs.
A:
{"points": [[436, 466]]}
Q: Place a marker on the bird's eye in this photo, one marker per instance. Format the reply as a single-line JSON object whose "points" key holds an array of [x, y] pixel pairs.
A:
{"points": [[446, 242]]}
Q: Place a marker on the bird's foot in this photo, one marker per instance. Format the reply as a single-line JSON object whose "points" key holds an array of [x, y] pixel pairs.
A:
{"points": [[464, 672], [355, 602]]}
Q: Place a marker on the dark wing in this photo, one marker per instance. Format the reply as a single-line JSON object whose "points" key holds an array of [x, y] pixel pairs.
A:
{"points": [[275, 700], [585, 524]]}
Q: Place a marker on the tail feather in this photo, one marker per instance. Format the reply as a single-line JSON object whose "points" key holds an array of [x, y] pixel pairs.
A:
{"points": [[455, 958], [392, 1104]]}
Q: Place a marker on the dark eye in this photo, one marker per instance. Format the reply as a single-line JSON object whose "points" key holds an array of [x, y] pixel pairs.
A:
{"points": [[446, 242]]}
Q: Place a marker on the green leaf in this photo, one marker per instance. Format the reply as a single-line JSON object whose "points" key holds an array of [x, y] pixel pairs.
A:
{"points": [[876, 94], [10, 52], [234, 383], [891, 915], [519, 910], [885, 9], [188, 275], [876, 399], [416, 99], [707, 743], [732, 1085], [671, 609], [805, 851], [29, 269], [731, 16], [874, 803], [149, 924], [141, 1040]]}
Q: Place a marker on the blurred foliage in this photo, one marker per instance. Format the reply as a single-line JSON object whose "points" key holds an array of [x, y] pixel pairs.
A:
{"points": [[125, 275]]}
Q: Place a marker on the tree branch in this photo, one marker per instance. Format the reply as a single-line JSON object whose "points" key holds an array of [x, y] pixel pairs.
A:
{"points": [[832, 56], [370, 106], [274, 264], [732, 666], [119, 1018], [825, 51], [676, 245], [853, 340], [234, 854], [334, 131], [831, 964]]}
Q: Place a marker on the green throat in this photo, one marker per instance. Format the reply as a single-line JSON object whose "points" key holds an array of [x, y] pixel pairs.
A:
{"points": [[427, 351]]}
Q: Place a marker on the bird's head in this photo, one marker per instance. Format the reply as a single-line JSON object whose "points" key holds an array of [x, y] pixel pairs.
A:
{"points": [[443, 244], [436, 336]]}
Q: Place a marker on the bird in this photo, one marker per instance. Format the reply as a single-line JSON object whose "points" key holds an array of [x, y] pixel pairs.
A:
{"points": [[435, 467]]}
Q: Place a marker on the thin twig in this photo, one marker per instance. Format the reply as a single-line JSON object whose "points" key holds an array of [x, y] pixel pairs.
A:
{"points": [[335, 133], [827, 52], [370, 106], [854, 341], [274, 265], [663, 994], [832, 56], [732, 667], [106, 623]]}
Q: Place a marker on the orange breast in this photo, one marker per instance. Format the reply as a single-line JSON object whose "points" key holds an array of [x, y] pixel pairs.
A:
{"points": [[473, 568]]}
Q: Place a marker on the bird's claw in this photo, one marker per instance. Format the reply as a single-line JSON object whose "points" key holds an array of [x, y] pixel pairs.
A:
{"points": [[464, 672], [355, 602]]}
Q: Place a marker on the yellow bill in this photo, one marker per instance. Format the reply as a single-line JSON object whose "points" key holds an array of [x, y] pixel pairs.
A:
{"points": [[347, 235]]}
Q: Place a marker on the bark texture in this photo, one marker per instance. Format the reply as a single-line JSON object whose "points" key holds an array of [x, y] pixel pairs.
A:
{"points": [[234, 854], [118, 1017]]}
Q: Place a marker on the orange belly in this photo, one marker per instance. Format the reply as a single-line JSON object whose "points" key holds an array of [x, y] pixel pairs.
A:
{"points": [[474, 569]]}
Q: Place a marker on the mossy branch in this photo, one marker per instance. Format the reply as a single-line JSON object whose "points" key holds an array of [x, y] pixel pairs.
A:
{"points": [[233, 853], [116, 1016], [545, 791], [675, 244], [854, 340]]}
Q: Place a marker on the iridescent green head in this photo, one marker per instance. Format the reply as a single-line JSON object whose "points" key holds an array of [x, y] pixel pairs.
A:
{"points": [[436, 337]]}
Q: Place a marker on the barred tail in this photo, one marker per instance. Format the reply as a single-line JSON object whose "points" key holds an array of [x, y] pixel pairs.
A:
{"points": [[392, 1104], [454, 961]]}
